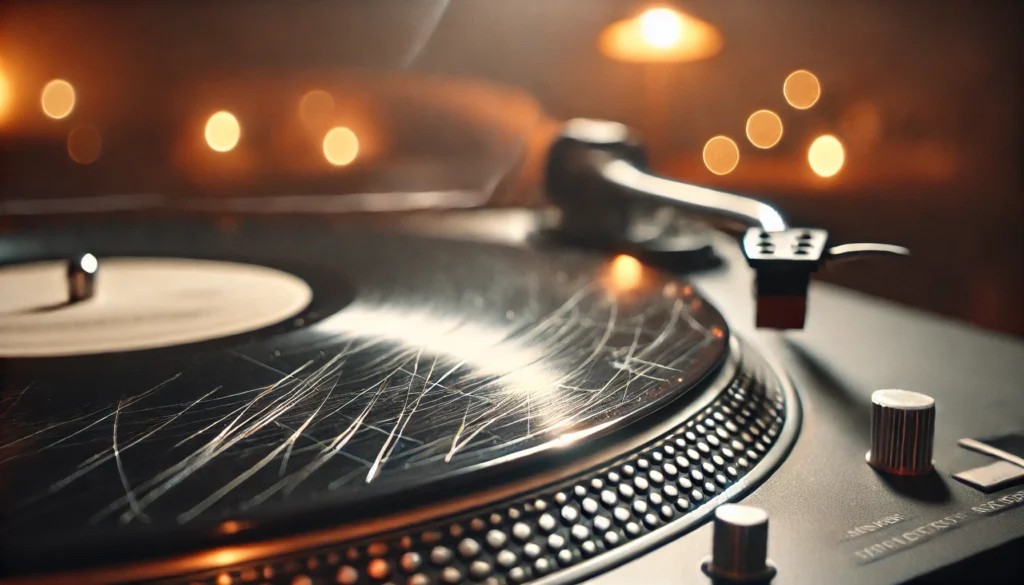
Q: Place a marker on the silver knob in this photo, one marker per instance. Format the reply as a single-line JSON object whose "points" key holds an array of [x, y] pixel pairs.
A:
{"points": [[82, 277], [902, 432], [740, 545]]}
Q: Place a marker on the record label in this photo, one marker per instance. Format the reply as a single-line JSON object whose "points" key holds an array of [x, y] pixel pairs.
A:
{"points": [[141, 303]]}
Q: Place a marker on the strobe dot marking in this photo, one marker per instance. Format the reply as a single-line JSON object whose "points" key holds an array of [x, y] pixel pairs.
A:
{"points": [[547, 522], [564, 557], [441, 555], [506, 558], [496, 539], [658, 488]]}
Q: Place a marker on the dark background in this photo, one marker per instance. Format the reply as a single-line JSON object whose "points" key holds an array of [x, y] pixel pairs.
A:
{"points": [[924, 94]]}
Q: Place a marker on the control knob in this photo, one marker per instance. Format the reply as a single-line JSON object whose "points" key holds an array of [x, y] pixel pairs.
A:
{"points": [[739, 552], [902, 432]]}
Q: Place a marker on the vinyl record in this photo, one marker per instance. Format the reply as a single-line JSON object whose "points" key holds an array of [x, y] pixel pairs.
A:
{"points": [[350, 373]]}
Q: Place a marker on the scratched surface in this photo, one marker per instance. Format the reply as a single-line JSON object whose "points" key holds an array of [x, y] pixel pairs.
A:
{"points": [[446, 361]]}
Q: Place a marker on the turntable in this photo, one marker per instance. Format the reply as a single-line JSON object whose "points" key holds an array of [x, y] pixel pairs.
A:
{"points": [[439, 411], [636, 383]]}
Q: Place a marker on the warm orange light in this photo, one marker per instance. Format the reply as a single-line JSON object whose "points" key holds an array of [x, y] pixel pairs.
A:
{"points": [[58, 99], [5, 94], [316, 109], [378, 569], [231, 526], [661, 27], [764, 128], [84, 144], [660, 35], [826, 155], [224, 579], [721, 155], [341, 146], [626, 272], [223, 131], [801, 89], [222, 557]]}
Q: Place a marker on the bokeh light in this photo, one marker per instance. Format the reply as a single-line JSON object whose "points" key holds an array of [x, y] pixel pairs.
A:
{"points": [[625, 272], [5, 94], [84, 144], [801, 89], [223, 131], [316, 109], [721, 155], [58, 99], [764, 128], [661, 27], [660, 35], [341, 146], [826, 155]]}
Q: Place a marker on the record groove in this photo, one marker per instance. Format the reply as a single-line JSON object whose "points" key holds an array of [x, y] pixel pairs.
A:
{"points": [[425, 368]]}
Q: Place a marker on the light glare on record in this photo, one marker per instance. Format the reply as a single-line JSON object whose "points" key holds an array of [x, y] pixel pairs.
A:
{"points": [[826, 155], [223, 131], [58, 99], [341, 146], [764, 128], [721, 155], [801, 89], [84, 144], [661, 27]]}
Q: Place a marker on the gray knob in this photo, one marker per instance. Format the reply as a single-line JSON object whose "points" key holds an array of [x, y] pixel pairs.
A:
{"points": [[740, 545], [902, 432], [82, 277]]}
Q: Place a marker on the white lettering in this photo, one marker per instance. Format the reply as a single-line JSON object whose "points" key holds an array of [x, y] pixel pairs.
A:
{"points": [[876, 525], [910, 537], [1000, 503]]}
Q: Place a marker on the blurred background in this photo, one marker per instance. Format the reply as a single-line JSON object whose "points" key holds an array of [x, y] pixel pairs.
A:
{"points": [[889, 121]]}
